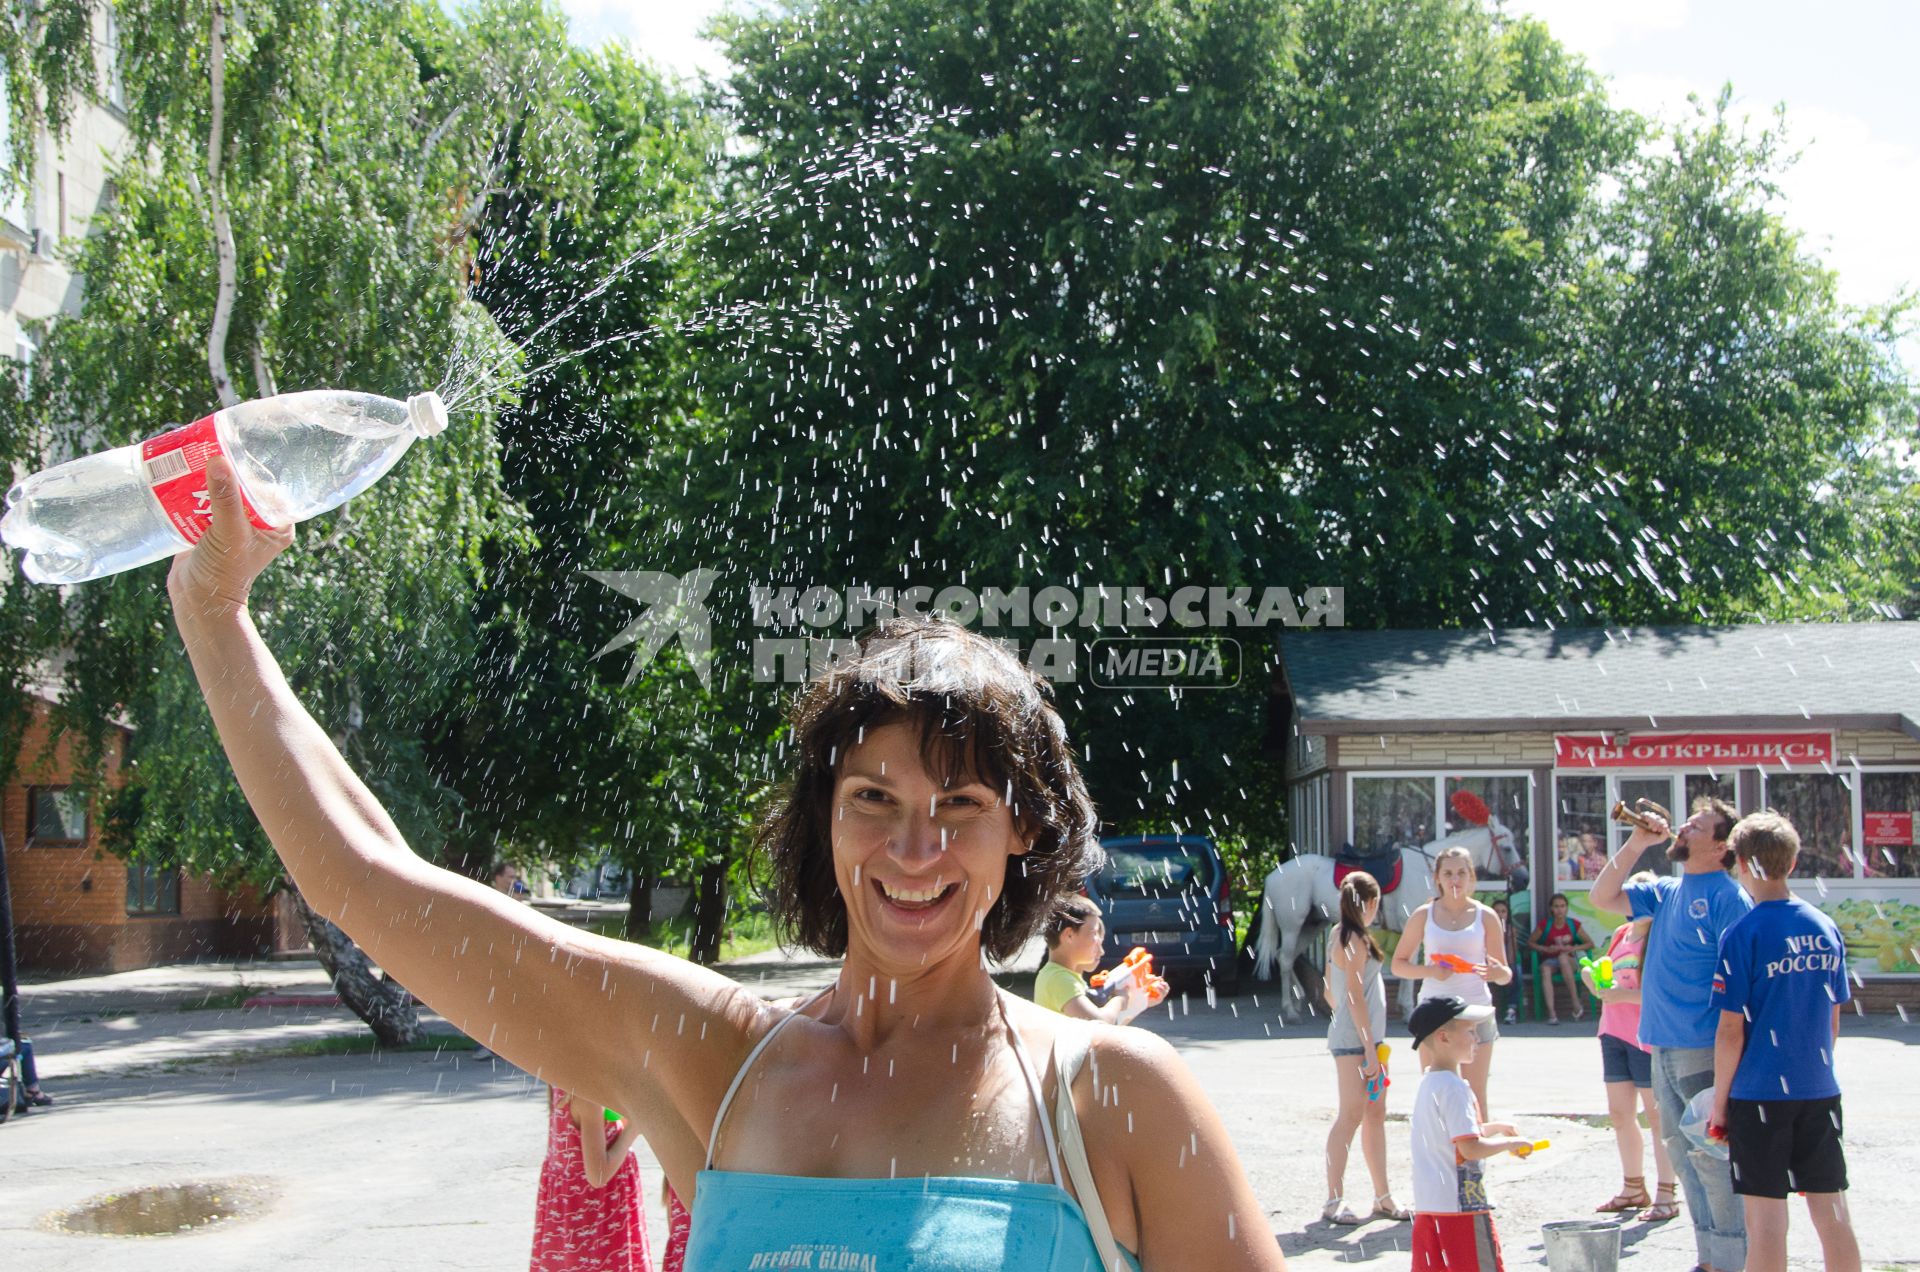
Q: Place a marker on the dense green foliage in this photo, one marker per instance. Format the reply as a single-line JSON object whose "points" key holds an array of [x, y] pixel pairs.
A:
{"points": [[1374, 294], [1383, 296]]}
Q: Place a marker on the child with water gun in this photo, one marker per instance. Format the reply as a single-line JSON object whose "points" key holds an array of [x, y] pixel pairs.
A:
{"points": [[1627, 1069], [1356, 1038], [1075, 934], [1453, 1221]]}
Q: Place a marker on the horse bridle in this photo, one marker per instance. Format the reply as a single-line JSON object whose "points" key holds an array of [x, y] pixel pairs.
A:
{"points": [[1493, 842]]}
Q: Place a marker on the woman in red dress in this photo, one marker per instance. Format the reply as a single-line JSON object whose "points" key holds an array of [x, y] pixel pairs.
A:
{"points": [[588, 1216]]}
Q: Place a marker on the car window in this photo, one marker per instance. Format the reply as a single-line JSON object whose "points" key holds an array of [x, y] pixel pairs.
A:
{"points": [[1134, 873]]}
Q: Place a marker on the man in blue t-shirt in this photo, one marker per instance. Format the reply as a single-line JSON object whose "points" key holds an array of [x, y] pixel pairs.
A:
{"points": [[1782, 978], [1678, 1022]]}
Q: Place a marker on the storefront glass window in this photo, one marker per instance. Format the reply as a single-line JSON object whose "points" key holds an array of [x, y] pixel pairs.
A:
{"points": [[1890, 811], [1579, 827], [1392, 812], [1508, 798], [1719, 786], [1820, 806]]}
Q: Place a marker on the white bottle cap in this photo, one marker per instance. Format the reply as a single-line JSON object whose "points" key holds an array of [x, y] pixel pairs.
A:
{"points": [[428, 413]]}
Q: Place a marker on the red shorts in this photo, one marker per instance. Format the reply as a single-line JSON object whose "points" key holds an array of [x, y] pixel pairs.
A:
{"points": [[1462, 1242]]}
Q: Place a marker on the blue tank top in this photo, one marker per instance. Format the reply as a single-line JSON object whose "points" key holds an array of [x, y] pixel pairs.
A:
{"points": [[745, 1222]]}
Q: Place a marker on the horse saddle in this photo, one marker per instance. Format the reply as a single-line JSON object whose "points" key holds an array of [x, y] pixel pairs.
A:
{"points": [[1383, 866]]}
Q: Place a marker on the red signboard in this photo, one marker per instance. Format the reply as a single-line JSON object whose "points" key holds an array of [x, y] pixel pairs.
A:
{"points": [[1690, 750], [1888, 830]]}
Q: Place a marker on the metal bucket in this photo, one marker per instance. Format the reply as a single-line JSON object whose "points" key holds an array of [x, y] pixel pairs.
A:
{"points": [[1582, 1245]]}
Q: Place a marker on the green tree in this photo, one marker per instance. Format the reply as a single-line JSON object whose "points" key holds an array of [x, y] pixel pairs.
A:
{"points": [[554, 749], [306, 178], [1374, 295]]}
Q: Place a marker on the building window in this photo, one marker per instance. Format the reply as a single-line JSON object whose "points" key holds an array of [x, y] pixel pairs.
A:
{"points": [[1392, 812], [1307, 807], [110, 56], [1716, 785], [24, 352], [1579, 828], [151, 890], [1889, 811], [1509, 799], [56, 815], [1820, 806], [16, 197]]}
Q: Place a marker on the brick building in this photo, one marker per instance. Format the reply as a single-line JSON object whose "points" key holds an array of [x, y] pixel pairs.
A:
{"points": [[77, 907], [1549, 728]]}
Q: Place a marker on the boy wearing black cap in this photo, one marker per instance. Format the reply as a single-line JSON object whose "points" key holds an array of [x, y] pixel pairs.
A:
{"points": [[1452, 1222]]}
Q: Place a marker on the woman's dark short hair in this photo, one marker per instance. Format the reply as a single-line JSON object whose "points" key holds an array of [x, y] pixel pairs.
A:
{"points": [[981, 716]]}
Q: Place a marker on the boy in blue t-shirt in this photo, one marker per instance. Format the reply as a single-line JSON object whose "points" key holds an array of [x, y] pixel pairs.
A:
{"points": [[1782, 978]]}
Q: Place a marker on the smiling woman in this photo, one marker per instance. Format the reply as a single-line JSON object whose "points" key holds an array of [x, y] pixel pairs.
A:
{"points": [[994, 772], [896, 1122]]}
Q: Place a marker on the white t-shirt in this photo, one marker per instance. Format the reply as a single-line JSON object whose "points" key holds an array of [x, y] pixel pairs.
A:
{"points": [[1444, 1110]]}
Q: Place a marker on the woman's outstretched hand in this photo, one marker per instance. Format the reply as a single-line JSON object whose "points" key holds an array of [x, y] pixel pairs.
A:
{"points": [[216, 574]]}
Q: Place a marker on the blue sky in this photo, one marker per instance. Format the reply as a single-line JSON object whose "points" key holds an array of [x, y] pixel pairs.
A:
{"points": [[1838, 66]]}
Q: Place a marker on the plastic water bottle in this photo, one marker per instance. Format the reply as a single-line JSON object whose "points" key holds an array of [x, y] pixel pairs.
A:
{"points": [[296, 456]]}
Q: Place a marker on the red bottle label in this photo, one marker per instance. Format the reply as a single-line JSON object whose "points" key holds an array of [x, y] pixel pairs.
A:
{"points": [[177, 471]]}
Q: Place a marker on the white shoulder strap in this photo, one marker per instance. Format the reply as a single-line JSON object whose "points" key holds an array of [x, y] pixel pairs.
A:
{"points": [[740, 1075], [1069, 1053], [1033, 1089]]}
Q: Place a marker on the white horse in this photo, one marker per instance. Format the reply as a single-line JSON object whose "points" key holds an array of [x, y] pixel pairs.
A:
{"points": [[1301, 893]]}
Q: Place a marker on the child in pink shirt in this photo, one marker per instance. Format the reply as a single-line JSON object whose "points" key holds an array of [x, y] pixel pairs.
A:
{"points": [[1627, 1069]]}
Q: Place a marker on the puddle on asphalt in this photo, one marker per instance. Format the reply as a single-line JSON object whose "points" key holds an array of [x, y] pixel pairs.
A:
{"points": [[164, 1210]]}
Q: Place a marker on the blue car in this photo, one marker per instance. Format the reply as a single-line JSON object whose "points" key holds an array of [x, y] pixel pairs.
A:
{"points": [[1168, 893]]}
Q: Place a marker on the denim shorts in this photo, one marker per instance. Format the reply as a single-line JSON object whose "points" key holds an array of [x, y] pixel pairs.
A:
{"points": [[1348, 1051], [1621, 1061]]}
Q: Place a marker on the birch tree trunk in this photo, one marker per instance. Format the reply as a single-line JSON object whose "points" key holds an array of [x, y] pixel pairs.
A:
{"points": [[376, 998], [224, 252]]}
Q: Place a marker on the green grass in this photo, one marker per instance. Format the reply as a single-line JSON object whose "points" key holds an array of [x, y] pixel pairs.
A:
{"points": [[359, 1044], [748, 932], [226, 1000], [364, 1045]]}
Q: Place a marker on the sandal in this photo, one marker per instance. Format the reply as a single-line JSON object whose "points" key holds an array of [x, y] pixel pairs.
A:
{"points": [[1632, 1196], [1384, 1207], [1335, 1212], [1665, 1206]]}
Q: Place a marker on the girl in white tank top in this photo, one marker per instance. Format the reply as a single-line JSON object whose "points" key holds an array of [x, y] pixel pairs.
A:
{"points": [[1468, 944], [1455, 926]]}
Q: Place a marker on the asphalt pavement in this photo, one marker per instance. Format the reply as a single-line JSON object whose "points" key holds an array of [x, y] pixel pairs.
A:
{"points": [[430, 1159]]}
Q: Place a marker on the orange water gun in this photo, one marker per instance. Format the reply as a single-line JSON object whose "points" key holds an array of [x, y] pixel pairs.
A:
{"points": [[1135, 971], [1452, 962]]}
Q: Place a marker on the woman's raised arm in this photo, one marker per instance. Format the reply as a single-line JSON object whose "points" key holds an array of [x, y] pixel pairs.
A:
{"points": [[634, 1029]]}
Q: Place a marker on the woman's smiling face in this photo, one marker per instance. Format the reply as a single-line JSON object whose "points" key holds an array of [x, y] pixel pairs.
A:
{"points": [[919, 861]]}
